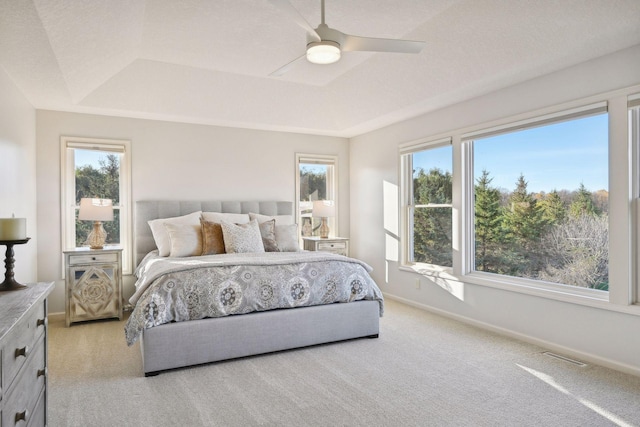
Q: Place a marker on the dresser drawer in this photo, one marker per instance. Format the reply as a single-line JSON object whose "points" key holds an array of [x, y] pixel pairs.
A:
{"points": [[20, 343], [23, 396], [328, 246], [92, 258], [39, 417]]}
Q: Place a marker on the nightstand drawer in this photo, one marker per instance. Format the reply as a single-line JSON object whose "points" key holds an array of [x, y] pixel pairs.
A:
{"points": [[328, 246], [92, 258]]}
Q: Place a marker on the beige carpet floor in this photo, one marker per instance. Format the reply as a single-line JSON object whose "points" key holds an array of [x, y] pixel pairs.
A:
{"points": [[424, 370]]}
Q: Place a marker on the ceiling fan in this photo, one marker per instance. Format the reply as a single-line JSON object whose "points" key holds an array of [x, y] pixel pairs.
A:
{"points": [[325, 44]]}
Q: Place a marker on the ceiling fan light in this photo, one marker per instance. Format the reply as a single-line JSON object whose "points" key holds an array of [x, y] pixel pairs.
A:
{"points": [[323, 52]]}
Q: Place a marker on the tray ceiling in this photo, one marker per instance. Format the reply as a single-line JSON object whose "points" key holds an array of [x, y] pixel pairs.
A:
{"points": [[203, 61]]}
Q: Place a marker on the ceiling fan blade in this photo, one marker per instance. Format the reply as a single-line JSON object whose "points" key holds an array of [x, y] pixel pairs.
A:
{"points": [[357, 43], [280, 71], [287, 8]]}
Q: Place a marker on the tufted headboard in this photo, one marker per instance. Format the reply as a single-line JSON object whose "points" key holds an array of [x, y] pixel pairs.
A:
{"points": [[147, 210]]}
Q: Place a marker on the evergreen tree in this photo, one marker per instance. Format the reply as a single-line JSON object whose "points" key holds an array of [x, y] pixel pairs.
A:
{"points": [[553, 209], [582, 203], [487, 223], [524, 226]]}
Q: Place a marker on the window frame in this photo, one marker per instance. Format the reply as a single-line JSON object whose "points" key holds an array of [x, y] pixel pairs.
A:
{"points": [[407, 205], [67, 194], [467, 140], [332, 186], [624, 209]]}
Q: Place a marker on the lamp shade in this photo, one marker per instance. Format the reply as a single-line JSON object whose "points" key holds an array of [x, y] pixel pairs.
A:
{"points": [[324, 209], [96, 210]]}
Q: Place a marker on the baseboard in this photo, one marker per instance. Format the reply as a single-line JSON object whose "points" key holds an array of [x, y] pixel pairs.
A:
{"points": [[573, 353]]}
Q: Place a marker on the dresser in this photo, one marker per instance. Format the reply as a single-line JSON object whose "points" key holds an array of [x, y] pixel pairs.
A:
{"points": [[336, 245], [93, 284], [23, 344]]}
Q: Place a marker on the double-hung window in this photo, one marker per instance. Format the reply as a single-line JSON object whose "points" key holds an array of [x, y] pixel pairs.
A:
{"points": [[96, 168], [316, 179], [426, 169]]}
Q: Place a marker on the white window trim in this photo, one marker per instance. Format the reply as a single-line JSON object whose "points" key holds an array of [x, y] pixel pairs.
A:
{"points": [[332, 185], [67, 189], [407, 205], [624, 229]]}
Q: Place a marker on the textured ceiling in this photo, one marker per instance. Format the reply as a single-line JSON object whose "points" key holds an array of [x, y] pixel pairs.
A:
{"points": [[205, 61]]}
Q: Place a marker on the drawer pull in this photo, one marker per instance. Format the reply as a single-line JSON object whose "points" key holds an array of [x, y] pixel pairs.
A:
{"points": [[93, 258], [41, 322], [24, 351], [42, 372], [22, 416]]}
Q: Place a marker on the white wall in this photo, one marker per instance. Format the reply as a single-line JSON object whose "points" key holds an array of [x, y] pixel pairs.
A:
{"points": [[18, 174], [606, 337], [177, 161]]}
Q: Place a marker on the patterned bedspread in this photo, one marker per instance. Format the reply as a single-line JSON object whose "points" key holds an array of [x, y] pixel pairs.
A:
{"points": [[179, 289]]}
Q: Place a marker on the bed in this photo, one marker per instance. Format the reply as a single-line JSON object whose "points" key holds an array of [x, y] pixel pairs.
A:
{"points": [[225, 324]]}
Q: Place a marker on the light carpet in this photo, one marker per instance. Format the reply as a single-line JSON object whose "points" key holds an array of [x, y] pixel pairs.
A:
{"points": [[424, 370]]}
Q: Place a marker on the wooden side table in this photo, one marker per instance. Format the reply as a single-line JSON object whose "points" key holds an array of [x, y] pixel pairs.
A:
{"points": [[93, 284], [336, 245]]}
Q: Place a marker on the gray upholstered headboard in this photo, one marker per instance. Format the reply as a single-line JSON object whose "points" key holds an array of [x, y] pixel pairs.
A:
{"points": [[147, 210]]}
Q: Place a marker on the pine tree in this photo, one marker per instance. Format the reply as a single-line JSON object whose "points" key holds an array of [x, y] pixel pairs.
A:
{"points": [[553, 209], [487, 223], [582, 203]]}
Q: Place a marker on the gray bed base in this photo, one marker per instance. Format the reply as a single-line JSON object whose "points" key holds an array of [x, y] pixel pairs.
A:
{"points": [[182, 344]]}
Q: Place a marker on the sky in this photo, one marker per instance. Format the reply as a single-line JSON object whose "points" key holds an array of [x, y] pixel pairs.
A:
{"points": [[560, 156]]}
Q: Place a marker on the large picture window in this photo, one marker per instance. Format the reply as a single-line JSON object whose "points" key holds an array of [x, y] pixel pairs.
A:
{"points": [[427, 195], [541, 199], [96, 168]]}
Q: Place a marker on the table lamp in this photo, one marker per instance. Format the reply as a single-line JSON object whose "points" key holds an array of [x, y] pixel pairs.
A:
{"points": [[96, 210], [324, 209]]}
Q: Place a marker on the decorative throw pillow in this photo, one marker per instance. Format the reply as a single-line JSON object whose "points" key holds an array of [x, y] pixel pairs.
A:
{"points": [[268, 233], [161, 235], [287, 238], [212, 238], [242, 238], [186, 239], [280, 219], [218, 217]]}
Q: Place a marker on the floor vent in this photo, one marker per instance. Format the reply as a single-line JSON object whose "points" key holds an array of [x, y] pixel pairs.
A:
{"points": [[566, 359]]}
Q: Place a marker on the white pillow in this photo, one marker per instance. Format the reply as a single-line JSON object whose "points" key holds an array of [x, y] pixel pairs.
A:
{"points": [[161, 235], [186, 239], [287, 238], [242, 238], [218, 217], [280, 219]]}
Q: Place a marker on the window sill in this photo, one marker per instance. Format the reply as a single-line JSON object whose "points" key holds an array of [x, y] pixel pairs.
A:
{"points": [[580, 296]]}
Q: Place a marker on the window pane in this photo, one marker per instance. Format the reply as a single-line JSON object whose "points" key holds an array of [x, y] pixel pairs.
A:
{"points": [[432, 225], [542, 203], [97, 175], [313, 186], [432, 236]]}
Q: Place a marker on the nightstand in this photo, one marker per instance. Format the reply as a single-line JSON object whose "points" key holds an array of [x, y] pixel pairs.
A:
{"points": [[93, 284], [336, 245]]}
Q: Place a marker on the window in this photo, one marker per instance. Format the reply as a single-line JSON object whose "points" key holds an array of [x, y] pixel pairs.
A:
{"points": [[316, 179], [634, 136], [427, 203], [541, 199], [96, 168]]}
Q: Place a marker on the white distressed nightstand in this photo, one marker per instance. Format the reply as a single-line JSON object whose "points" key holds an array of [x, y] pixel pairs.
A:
{"points": [[93, 284], [336, 245]]}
